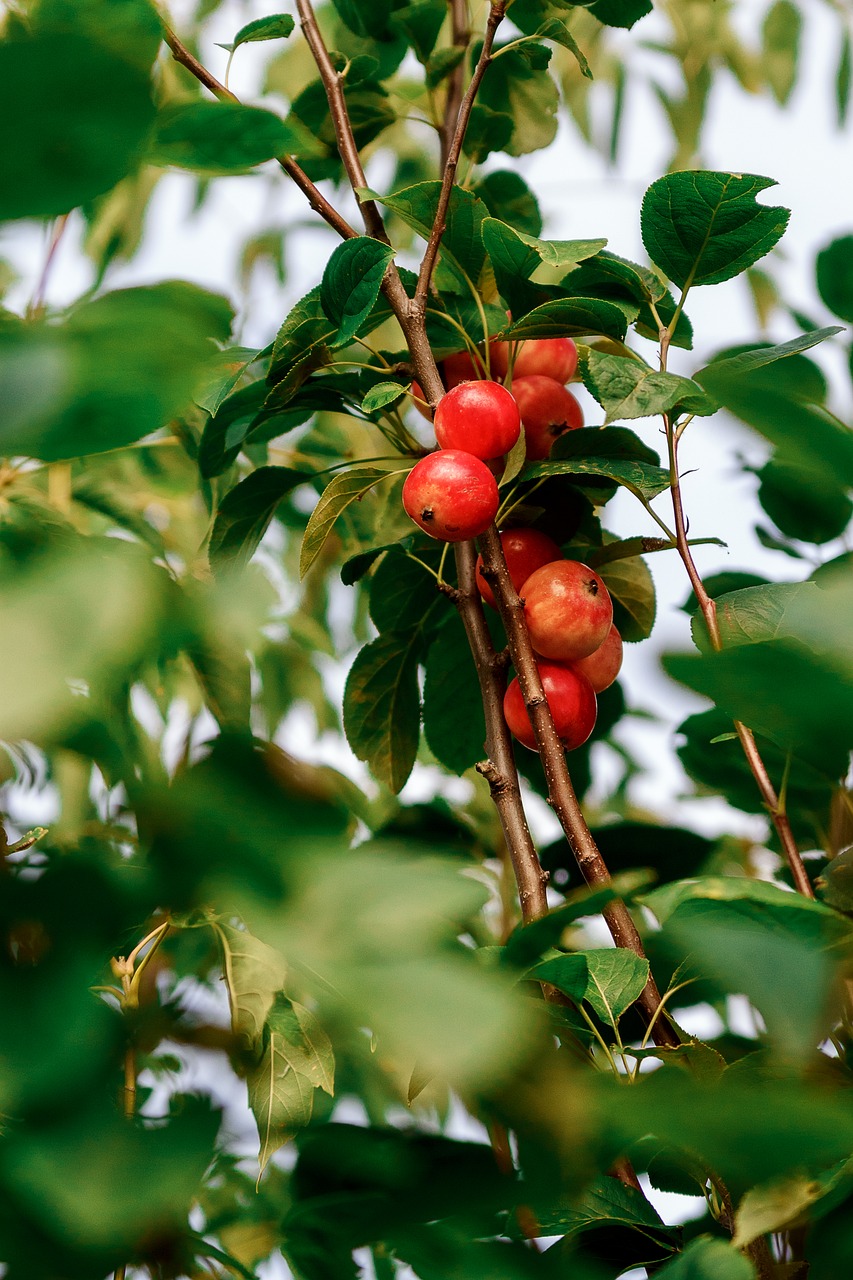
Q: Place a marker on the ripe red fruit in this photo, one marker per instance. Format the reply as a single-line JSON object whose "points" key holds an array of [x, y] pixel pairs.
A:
{"points": [[547, 410], [555, 358], [424, 411], [480, 417], [451, 495], [460, 367], [571, 700], [568, 610], [602, 666], [525, 550]]}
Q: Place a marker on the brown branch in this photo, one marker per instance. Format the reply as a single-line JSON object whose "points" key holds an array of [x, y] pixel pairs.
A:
{"points": [[334, 86], [561, 793], [459, 37], [708, 606], [497, 9], [316, 199], [499, 770]]}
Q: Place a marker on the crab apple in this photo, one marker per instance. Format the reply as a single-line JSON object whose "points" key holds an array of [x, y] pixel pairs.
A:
{"points": [[525, 550], [459, 367], [480, 417], [603, 665], [547, 410], [571, 701], [451, 495], [568, 610], [555, 358]]}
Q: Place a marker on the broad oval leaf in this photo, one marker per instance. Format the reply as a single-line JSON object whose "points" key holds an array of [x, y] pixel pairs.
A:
{"points": [[382, 709], [254, 973], [835, 276], [702, 227], [218, 137], [628, 388], [73, 121], [351, 284], [566, 317], [632, 590], [454, 724], [615, 452], [278, 26], [708, 1259], [616, 979], [245, 513], [337, 496], [383, 394]]}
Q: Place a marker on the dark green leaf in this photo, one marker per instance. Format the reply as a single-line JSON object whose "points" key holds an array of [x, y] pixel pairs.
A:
{"points": [[218, 137], [73, 120], [421, 23], [632, 590], [671, 852], [702, 227], [614, 452], [487, 131], [803, 503], [606, 273], [528, 942], [843, 79], [120, 367], [278, 26], [402, 594], [628, 388], [441, 64], [382, 395], [518, 82], [351, 284], [568, 973], [620, 13], [382, 710], [616, 978], [462, 244], [507, 197], [337, 496], [371, 21], [245, 513], [566, 317], [835, 276], [454, 724], [708, 1259], [556, 29], [746, 361], [132, 29], [762, 612]]}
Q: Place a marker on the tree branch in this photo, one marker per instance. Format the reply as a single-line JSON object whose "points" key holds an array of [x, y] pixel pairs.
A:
{"points": [[459, 35], [708, 607], [497, 9], [561, 793], [316, 199]]}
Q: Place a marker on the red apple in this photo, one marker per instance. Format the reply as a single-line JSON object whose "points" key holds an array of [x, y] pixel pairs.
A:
{"points": [[571, 700], [423, 409], [555, 358], [524, 551], [451, 495], [547, 410], [568, 610], [480, 417], [602, 666], [460, 367]]}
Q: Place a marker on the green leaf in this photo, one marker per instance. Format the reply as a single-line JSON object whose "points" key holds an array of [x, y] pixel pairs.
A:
{"points": [[515, 256], [119, 367], [345, 489], [381, 395], [245, 513], [131, 29], [556, 29], [218, 137], [632, 590], [306, 327], [528, 942], [756, 357], [454, 723], [462, 244], [487, 131], [616, 979], [278, 26], [421, 24], [614, 452], [764, 612], [566, 317], [671, 852], [835, 277], [803, 503], [758, 939], [708, 1259], [518, 83], [281, 1097], [843, 77], [607, 1209], [780, 38], [606, 273], [627, 388], [73, 120], [382, 710], [774, 1206], [620, 13], [254, 973], [814, 720], [703, 227], [507, 197], [351, 283], [568, 973], [403, 594]]}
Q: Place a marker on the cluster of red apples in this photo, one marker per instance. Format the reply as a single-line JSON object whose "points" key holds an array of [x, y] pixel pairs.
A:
{"points": [[452, 495]]}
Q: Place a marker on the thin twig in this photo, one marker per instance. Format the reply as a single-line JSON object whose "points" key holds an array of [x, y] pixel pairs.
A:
{"points": [[459, 37], [496, 13], [316, 199], [708, 606]]}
